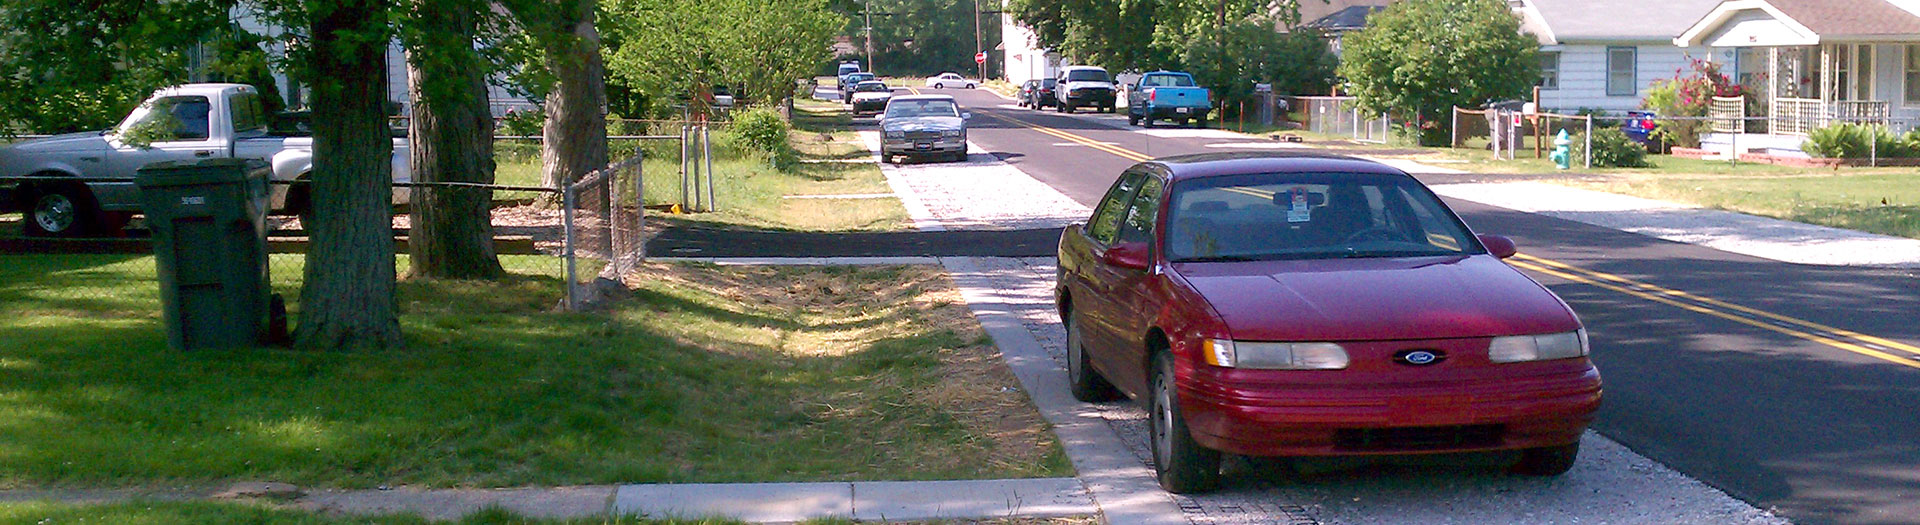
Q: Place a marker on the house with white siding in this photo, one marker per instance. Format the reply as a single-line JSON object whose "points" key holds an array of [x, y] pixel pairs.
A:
{"points": [[1814, 63], [1604, 54]]}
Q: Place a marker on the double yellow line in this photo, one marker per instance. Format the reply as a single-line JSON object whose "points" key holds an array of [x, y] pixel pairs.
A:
{"points": [[1875, 347]]}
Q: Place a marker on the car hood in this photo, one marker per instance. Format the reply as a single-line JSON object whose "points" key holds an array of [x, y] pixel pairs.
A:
{"points": [[69, 143], [1377, 299], [924, 124]]}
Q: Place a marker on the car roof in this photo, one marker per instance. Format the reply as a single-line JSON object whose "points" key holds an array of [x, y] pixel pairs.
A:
{"points": [[911, 98], [1241, 163], [1070, 68], [865, 82]]}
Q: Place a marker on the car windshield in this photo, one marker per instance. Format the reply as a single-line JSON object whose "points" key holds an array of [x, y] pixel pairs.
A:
{"points": [[1168, 81], [1086, 75], [921, 108], [871, 87], [1309, 216], [167, 119], [858, 77]]}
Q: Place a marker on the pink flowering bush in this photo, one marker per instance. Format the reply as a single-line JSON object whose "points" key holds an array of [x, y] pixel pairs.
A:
{"points": [[1688, 94]]}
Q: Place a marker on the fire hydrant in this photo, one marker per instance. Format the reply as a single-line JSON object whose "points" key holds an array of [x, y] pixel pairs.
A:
{"points": [[1562, 151]]}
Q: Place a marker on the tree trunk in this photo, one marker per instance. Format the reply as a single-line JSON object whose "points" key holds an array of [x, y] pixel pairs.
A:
{"points": [[347, 301], [576, 130], [452, 141]]}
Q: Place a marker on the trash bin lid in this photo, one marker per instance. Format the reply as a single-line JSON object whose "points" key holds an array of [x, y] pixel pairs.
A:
{"points": [[198, 172]]}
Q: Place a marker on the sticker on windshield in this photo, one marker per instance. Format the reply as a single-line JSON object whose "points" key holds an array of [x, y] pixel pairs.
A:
{"points": [[1300, 210]]}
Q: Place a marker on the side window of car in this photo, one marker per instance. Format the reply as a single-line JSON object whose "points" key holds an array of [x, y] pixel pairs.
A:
{"points": [[1138, 226], [1106, 218]]}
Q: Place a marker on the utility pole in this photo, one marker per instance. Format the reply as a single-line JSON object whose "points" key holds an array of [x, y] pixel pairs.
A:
{"points": [[868, 40], [978, 45]]}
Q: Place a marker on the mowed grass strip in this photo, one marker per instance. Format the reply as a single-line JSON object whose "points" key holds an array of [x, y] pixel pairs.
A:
{"points": [[750, 192], [1883, 203], [708, 374]]}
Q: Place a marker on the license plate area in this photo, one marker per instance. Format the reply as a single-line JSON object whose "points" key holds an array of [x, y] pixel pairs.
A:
{"points": [[1180, 110]]}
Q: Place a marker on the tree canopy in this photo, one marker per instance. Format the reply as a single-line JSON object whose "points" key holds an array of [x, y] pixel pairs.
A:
{"points": [[669, 48], [1419, 58], [926, 37]]}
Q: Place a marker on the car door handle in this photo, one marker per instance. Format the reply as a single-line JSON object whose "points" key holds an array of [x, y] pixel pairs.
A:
{"points": [[203, 153]]}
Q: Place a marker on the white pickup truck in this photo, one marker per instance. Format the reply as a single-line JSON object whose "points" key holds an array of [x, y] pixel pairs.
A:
{"points": [[188, 122]]}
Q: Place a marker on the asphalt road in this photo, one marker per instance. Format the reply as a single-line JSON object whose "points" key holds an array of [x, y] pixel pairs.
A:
{"points": [[1794, 388]]}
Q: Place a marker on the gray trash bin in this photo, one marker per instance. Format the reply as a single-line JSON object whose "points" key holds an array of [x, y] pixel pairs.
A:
{"points": [[210, 245]]}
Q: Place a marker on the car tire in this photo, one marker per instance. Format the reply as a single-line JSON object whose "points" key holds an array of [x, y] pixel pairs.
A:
{"points": [[1146, 122], [1547, 461], [969, 86], [1068, 108], [1085, 383], [939, 86], [1200, 122], [1133, 120], [1180, 464], [60, 210]]}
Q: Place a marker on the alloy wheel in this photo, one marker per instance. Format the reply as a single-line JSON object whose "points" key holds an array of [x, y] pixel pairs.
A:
{"points": [[54, 213]]}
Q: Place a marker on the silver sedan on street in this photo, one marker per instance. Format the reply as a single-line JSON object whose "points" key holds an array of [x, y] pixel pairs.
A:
{"points": [[923, 126]]}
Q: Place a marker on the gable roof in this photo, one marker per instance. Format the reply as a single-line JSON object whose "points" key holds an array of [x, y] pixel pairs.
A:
{"points": [[1572, 21], [1314, 10], [1832, 18], [1348, 19], [1802, 22]]}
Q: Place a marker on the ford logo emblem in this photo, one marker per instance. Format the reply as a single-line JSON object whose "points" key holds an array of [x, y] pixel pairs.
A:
{"points": [[1419, 357]]}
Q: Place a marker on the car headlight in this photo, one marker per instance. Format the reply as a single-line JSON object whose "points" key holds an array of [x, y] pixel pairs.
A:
{"points": [[952, 133], [896, 134], [1274, 356], [1523, 348]]}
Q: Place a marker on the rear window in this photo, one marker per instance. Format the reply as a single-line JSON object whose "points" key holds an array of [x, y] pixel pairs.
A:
{"points": [[1049, 83], [248, 116], [1086, 75], [871, 87], [1168, 81]]}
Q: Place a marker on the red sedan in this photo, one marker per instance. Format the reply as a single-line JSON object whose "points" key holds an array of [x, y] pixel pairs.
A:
{"points": [[1310, 305]]}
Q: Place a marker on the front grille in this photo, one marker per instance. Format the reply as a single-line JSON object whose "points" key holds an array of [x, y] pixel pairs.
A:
{"points": [[923, 135], [1418, 438]]}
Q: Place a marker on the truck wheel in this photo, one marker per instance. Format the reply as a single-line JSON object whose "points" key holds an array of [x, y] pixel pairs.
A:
{"points": [[1147, 121], [1132, 119], [62, 210]]}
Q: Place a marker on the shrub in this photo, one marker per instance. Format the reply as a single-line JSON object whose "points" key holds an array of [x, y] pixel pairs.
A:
{"points": [[1689, 95], [522, 123], [1859, 141], [1611, 149], [760, 129]]}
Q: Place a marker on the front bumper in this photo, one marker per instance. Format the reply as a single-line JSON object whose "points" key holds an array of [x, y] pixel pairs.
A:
{"points": [[1090, 97], [1549, 404], [911, 148]]}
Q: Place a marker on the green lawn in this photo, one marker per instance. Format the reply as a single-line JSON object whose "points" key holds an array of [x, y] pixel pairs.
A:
{"points": [[209, 513], [749, 190], [1884, 203], [710, 374]]}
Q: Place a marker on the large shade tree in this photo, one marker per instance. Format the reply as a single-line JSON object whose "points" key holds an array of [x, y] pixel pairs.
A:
{"points": [[672, 48], [572, 75], [1419, 58], [451, 133]]}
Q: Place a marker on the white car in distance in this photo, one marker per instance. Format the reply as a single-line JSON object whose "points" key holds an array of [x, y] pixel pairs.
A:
{"points": [[941, 81]]}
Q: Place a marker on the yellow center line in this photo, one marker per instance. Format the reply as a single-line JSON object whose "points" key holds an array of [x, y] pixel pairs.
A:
{"points": [[1843, 345], [1647, 291]]}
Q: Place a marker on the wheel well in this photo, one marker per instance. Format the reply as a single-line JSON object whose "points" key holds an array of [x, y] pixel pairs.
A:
{"points": [[1065, 305], [1156, 342], [297, 194], [27, 190]]}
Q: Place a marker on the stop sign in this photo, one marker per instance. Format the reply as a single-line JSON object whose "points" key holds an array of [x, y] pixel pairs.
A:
{"points": [[980, 58]]}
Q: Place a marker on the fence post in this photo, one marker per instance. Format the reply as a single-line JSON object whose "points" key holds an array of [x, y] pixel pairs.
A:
{"points": [[1733, 156], [1454, 140], [1873, 148], [686, 196], [1589, 145], [640, 203], [706, 155], [566, 221]]}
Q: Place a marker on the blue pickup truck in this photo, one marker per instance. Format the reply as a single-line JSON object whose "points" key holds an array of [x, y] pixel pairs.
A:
{"points": [[1167, 95]]}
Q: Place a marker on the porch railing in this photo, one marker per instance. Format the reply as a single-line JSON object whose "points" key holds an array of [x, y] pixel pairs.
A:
{"points": [[1798, 116], [1729, 114]]}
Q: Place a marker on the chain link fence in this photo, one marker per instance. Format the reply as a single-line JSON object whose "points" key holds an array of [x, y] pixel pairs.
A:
{"points": [[604, 226], [1338, 116]]}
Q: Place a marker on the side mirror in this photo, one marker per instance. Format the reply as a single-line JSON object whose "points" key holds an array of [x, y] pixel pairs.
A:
{"points": [[1499, 246], [1129, 255]]}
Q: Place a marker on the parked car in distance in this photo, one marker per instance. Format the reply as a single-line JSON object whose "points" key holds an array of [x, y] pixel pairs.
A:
{"points": [[1274, 304], [850, 66], [847, 83], [941, 81], [1040, 95], [923, 126], [1167, 95], [1639, 126], [871, 97], [722, 97], [180, 123], [1083, 86]]}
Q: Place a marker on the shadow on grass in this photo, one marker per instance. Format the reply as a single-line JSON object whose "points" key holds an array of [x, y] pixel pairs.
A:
{"points": [[717, 375]]}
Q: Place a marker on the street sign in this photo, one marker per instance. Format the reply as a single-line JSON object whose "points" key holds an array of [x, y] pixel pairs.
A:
{"points": [[980, 58]]}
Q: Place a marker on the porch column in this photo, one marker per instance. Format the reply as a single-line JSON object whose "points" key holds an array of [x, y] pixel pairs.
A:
{"points": [[1773, 89]]}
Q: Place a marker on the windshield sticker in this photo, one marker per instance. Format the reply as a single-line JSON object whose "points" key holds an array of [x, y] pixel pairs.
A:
{"points": [[1300, 210]]}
